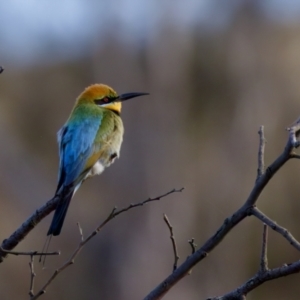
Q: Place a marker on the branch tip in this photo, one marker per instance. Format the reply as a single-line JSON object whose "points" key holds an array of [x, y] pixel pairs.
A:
{"points": [[174, 246]]}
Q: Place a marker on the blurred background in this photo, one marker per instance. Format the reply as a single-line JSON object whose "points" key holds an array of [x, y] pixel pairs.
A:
{"points": [[216, 71]]}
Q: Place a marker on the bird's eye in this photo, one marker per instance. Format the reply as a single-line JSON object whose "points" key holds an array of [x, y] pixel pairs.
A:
{"points": [[105, 100]]}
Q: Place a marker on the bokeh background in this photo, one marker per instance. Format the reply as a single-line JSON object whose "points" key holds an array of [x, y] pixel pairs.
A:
{"points": [[216, 71]]}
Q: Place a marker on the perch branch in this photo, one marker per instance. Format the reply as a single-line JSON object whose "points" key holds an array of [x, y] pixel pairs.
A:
{"points": [[12, 241]]}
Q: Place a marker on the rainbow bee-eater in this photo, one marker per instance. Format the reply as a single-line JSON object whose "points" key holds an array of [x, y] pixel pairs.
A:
{"points": [[89, 142]]}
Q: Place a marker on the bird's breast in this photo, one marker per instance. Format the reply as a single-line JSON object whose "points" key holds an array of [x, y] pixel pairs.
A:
{"points": [[110, 148]]}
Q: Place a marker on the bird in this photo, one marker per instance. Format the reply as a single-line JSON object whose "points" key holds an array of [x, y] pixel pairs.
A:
{"points": [[89, 142]]}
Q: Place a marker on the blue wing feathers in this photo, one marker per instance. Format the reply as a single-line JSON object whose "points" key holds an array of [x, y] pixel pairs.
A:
{"points": [[76, 140]]}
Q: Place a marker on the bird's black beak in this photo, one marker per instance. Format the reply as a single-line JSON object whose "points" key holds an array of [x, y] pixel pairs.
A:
{"points": [[127, 96]]}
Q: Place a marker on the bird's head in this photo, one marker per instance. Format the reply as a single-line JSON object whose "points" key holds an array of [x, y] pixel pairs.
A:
{"points": [[105, 96]]}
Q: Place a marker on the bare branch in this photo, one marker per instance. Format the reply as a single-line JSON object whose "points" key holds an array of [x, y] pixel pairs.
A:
{"points": [[176, 256], [294, 155], [192, 244], [261, 152], [117, 212], [230, 222], [11, 242], [259, 278], [111, 216], [264, 257], [32, 276], [264, 274], [281, 230], [1, 69], [31, 253]]}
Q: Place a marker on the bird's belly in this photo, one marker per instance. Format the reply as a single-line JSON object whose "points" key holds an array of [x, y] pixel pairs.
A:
{"points": [[101, 164], [97, 169]]}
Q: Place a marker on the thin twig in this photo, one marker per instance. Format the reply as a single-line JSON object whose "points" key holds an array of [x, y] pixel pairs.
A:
{"points": [[172, 237], [281, 230], [115, 212], [264, 255], [294, 155], [261, 153], [32, 276], [31, 253], [192, 244]]}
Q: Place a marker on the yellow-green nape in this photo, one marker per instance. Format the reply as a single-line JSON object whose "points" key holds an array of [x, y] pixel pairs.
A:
{"points": [[98, 91]]}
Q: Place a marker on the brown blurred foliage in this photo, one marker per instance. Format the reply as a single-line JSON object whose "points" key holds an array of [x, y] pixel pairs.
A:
{"points": [[210, 92]]}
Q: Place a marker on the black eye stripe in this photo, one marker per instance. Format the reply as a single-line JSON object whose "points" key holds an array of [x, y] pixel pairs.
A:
{"points": [[104, 100]]}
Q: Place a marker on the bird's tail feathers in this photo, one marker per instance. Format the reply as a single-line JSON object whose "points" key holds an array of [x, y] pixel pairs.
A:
{"points": [[60, 213]]}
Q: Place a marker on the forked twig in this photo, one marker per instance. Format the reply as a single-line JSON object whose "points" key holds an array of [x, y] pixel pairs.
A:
{"points": [[281, 230]]}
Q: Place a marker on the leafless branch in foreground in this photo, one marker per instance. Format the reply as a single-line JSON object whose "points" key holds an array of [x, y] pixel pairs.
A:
{"points": [[244, 211], [172, 237], [115, 212], [1, 69]]}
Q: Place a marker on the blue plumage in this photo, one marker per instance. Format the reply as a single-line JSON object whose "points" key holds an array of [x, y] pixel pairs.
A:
{"points": [[76, 145]]}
